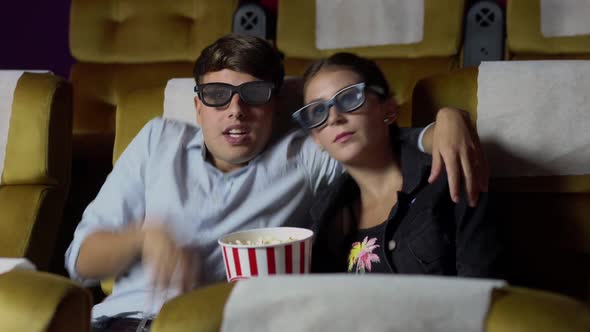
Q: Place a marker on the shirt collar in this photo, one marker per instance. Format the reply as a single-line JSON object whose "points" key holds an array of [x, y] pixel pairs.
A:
{"points": [[198, 141]]}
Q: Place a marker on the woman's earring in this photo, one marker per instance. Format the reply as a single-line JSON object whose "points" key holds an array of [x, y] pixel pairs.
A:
{"points": [[390, 119]]}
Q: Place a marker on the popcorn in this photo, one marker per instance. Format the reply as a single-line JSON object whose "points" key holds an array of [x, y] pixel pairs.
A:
{"points": [[264, 240]]}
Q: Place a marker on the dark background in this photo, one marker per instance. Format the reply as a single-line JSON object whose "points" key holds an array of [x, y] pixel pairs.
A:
{"points": [[34, 35]]}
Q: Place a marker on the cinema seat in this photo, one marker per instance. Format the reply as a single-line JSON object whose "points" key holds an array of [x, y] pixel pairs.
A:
{"points": [[513, 309], [120, 46], [42, 302], [36, 175], [546, 218], [33, 188], [403, 65], [526, 41]]}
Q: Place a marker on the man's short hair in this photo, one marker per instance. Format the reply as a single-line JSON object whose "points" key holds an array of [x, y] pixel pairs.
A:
{"points": [[244, 54]]}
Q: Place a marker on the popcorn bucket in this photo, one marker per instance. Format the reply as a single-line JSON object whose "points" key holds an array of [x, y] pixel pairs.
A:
{"points": [[266, 251]]}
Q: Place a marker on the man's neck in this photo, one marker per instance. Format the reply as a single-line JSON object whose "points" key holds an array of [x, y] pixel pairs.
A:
{"points": [[221, 165]]}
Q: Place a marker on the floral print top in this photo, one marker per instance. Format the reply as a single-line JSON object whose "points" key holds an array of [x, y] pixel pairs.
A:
{"points": [[367, 254]]}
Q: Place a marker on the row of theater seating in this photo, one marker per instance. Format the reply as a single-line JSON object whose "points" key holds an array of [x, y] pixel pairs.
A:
{"points": [[119, 56], [57, 304], [118, 86]]}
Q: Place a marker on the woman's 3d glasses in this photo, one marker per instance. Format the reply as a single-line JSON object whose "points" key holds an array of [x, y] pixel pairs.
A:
{"points": [[347, 100], [220, 94]]}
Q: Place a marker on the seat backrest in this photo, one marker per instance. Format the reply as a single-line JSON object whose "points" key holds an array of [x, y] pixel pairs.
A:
{"points": [[526, 39], [528, 310], [403, 64], [36, 172], [139, 106], [546, 218], [125, 45], [121, 46]]}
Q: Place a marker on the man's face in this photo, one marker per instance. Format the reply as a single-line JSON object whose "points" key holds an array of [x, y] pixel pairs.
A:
{"points": [[237, 132]]}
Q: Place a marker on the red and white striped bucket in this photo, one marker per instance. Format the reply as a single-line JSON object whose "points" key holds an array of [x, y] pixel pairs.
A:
{"points": [[291, 256]]}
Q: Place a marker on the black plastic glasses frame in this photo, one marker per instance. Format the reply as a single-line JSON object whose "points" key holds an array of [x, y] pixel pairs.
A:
{"points": [[236, 89]]}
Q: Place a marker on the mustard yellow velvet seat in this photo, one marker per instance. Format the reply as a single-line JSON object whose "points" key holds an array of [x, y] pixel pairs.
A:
{"points": [[139, 106], [42, 302], [36, 175], [549, 221], [547, 218], [121, 46], [525, 40], [403, 65], [513, 309], [125, 45], [33, 190]]}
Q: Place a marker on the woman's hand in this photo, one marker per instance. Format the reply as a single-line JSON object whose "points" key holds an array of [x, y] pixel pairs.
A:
{"points": [[454, 142]]}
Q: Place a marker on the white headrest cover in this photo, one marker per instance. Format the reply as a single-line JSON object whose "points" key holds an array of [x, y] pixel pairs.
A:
{"points": [[561, 18], [8, 82], [534, 117], [179, 100], [344, 24]]}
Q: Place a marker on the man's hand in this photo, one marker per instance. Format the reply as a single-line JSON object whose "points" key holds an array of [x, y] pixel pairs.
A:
{"points": [[455, 142], [170, 264]]}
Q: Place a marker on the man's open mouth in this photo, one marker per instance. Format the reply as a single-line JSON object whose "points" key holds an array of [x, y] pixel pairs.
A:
{"points": [[236, 133]]}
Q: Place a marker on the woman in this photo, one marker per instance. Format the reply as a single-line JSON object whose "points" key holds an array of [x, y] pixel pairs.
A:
{"points": [[384, 216]]}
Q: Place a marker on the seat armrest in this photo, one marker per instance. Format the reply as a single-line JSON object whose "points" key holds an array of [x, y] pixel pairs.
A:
{"points": [[198, 311], [38, 302], [528, 310], [513, 309]]}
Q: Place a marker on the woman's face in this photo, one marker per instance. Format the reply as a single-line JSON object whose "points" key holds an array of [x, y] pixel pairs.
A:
{"points": [[355, 137]]}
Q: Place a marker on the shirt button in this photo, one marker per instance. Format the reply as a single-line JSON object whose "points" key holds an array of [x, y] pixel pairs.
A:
{"points": [[391, 245]]}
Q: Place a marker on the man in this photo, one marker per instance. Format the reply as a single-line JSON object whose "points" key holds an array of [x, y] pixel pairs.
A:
{"points": [[176, 189]]}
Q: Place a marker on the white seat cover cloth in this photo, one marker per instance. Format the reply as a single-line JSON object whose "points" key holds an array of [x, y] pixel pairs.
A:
{"points": [[562, 18], [343, 302], [345, 23], [534, 117], [10, 264], [8, 81], [179, 100]]}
